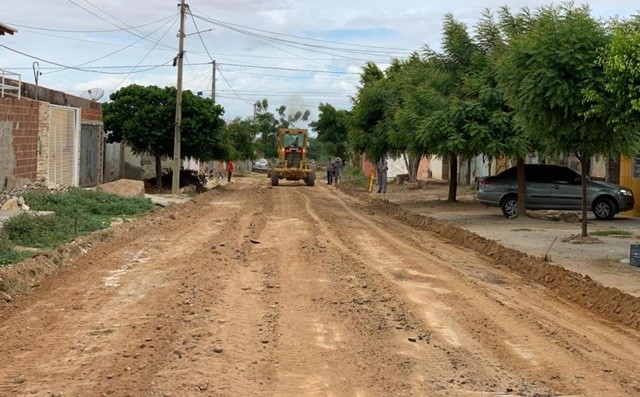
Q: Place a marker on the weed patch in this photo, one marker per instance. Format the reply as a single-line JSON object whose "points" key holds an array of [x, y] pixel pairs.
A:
{"points": [[612, 233], [92, 202], [8, 255], [355, 176], [77, 212]]}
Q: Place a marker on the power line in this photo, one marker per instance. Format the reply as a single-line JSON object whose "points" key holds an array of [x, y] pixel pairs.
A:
{"points": [[264, 40], [228, 84], [212, 20], [93, 70], [127, 28], [145, 55], [96, 69], [88, 31], [121, 49]]}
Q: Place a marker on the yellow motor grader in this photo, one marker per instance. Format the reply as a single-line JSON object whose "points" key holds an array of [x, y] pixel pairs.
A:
{"points": [[292, 157]]}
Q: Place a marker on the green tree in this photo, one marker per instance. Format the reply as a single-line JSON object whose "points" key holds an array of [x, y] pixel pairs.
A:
{"points": [[549, 76], [268, 124], [144, 118], [242, 135], [621, 100], [372, 118], [332, 129], [460, 113]]}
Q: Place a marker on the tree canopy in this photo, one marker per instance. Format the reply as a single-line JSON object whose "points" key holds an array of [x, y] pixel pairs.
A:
{"points": [[144, 119]]}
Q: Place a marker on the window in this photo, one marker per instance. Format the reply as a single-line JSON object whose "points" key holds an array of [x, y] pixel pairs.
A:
{"points": [[636, 167]]}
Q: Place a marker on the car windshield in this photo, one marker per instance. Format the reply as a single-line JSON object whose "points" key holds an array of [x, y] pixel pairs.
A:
{"points": [[293, 140]]}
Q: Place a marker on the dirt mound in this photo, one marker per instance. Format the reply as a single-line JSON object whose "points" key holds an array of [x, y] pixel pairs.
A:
{"points": [[609, 302]]}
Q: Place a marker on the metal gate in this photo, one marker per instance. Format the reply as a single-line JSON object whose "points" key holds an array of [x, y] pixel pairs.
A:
{"points": [[63, 142], [113, 161], [90, 154]]}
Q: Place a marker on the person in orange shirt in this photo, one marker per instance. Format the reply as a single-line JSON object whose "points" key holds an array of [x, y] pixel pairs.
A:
{"points": [[229, 170]]}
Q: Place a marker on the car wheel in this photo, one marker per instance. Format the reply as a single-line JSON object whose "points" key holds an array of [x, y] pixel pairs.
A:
{"points": [[274, 179], [509, 206], [604, 209]]}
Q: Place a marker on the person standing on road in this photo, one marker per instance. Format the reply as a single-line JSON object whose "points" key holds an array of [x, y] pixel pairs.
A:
{"points": [[330, 171], [382, 168], [337, 171], [230, 168]]}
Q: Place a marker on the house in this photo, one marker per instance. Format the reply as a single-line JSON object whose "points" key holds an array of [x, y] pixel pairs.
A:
{"points": [[630, 178], [57, 138]]}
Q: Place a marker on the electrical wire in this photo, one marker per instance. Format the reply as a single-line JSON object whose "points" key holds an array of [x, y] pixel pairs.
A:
{"points": [[229, 85], [97, 69], [212, 20], [87, 31], [121, 49], [127, 29], [265, 40], [147, 68], [145, 56]]}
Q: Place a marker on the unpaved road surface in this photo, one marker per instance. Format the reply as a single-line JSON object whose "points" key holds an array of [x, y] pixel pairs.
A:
{"points": [[301, 291]]}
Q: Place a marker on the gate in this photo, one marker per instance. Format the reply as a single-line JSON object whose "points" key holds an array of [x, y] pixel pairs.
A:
{"points": [[113, 161], [90, 154], [63, 137]]}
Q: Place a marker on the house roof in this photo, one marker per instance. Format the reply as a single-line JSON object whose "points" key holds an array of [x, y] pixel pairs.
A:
{"points": [[4, 29]]}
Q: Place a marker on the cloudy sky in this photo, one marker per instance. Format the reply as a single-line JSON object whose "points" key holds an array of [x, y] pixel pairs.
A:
{"points": [[293, 52]]}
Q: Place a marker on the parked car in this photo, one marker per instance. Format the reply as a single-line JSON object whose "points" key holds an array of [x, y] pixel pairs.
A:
{"points": [[260, 165], [553, 187]]}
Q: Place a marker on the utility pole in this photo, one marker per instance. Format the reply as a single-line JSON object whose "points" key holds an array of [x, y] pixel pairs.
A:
{"points": [[175, 187], [213, 83]]}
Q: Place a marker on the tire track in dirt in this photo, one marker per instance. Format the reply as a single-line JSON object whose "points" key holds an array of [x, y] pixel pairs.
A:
{"points": [[122, 328], [489, 334], [225, 343], [324, 342]]}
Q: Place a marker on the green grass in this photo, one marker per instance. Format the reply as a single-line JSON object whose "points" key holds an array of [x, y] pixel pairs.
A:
{"points": [[77, 212], [49, 231], [8, 255], [612, 233], [92, 202], [354, 175]]}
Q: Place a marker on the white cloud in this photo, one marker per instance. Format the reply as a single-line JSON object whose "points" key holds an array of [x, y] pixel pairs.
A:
{"points": [[268, 64]]}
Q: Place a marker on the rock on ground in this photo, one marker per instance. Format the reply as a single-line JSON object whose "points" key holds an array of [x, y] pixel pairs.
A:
{"points": [[124, 187]]}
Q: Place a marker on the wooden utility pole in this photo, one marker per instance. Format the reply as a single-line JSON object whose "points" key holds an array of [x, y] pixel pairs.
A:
{"points": [[175, 187]]}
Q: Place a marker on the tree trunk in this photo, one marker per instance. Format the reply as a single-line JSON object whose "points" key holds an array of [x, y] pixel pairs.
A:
{"points": [[412, 165], [415, 165], [468, 179], [583, 178], [158, 157], [522, 187], [453, 178]]}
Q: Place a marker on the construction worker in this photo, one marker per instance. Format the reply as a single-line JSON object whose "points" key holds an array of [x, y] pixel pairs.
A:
{"points": [[382, 168], [230, 168]]}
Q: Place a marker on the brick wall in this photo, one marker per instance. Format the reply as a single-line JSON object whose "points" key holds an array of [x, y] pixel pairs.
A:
{"points": [[91, 114], [23, 113], [43, 148]]}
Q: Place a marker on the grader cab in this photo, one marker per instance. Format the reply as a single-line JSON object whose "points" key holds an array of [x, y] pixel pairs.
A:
{"points": [[292, 157]]}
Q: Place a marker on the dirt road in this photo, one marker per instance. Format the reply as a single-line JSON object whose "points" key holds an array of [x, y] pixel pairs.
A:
{"points": [[300, 291]]}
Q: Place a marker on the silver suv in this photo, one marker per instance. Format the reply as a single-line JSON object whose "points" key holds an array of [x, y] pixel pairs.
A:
{"points": [[553, 187]]}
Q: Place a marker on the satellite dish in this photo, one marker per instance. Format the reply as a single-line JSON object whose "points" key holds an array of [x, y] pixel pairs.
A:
{"points": [[93, 94]]}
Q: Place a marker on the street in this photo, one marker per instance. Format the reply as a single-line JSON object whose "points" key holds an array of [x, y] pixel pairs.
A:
{"points": [[301, 291]]}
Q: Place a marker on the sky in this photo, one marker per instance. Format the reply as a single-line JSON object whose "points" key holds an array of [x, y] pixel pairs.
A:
{"points": [[297, 53]]}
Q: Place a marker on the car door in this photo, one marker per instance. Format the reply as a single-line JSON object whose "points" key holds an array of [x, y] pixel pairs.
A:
{"points": [[538, 186], [566, 189]]}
